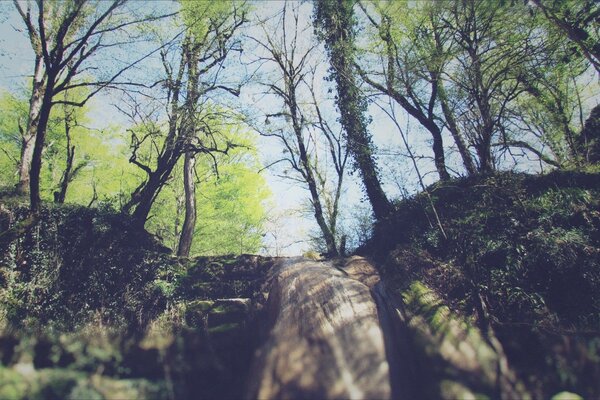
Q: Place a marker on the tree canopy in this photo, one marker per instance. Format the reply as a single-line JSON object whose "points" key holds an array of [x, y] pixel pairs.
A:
{"points": [[402, 91]]}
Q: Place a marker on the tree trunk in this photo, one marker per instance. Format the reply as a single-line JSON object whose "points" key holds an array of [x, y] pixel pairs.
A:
{"points": [[336, 20], [59, 197], [28, 139], [145, 198], [484, 151], [318, 209], [438, 153], [361, 148], [189, 222], [40, 136], [455, 132]]}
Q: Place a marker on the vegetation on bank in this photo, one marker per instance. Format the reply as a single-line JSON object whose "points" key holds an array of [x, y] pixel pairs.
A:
{"points": [[93, 308], [519, 256], [85, 298]]}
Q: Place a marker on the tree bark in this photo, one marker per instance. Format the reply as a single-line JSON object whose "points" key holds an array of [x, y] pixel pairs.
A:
{"points": [[455, 132], [189, 222], [40, 136], [28, 139]]}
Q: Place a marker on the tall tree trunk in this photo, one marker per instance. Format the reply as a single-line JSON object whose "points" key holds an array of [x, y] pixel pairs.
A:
{"points": [[67, 176], [463, 150], [189, 222], [336, 21], [28, 139], [360, 146], [188, 129], [40, 136]]}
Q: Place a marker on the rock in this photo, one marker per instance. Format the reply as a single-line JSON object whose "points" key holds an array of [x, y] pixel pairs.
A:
{"points": [[325, 340]]}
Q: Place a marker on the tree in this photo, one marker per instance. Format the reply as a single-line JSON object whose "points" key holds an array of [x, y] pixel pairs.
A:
{"points": [[64, 37], [98, 166], [578, 20], [335, 25], [493, 42], [294, 75], [413, 53], [551, 108], [230, 200], [209, 39], [412, 83]]}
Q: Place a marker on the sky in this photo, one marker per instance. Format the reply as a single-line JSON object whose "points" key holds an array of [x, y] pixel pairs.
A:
{"points": [[290, 226]]}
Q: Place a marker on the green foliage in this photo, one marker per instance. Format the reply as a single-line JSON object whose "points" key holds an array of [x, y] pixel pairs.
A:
{"points": [[230, 201], [13, 117], [73, 262], [201, 16], [100, 156]]}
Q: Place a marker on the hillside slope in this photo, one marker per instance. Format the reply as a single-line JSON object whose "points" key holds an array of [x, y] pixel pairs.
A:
{"points": [[519, 256], [496, 297]]}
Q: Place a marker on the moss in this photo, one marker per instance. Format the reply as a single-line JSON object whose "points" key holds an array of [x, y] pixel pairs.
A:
{"points": [[566, 396], [13, 385], [224, 328], [529, 245], [461, 362]]}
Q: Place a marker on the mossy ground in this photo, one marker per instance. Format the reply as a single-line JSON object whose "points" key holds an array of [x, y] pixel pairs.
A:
{"points": [[92, 308], [519, 251]]}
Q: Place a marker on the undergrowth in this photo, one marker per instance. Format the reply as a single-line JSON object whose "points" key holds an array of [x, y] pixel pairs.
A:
{"points": [[528, 248]]}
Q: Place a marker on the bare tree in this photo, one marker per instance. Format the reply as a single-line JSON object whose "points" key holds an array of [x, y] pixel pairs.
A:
{"points": [[64, 37], [200, 60], [295, 75]]}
